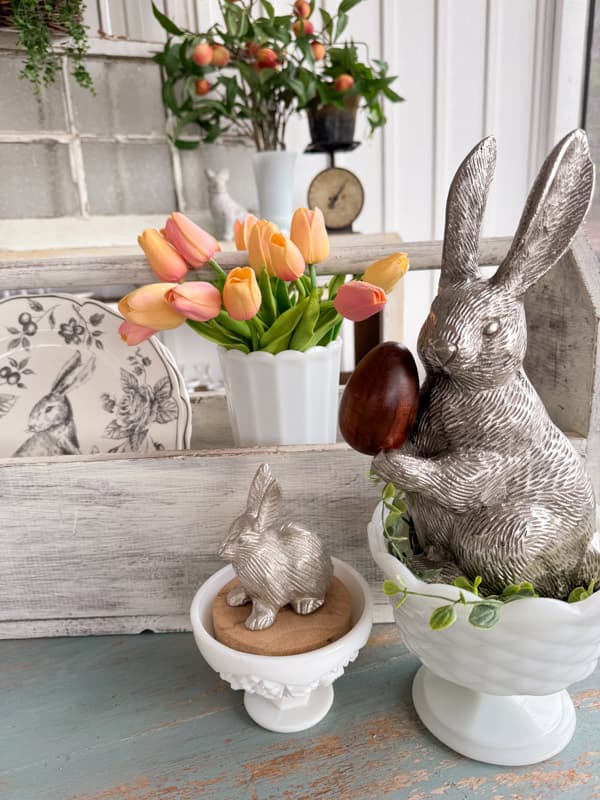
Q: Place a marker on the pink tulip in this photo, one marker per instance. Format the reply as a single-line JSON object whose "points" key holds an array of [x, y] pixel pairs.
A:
{"points": [[359, 300], [162, 257], [200, 301], [133, 334], [192, 243]]}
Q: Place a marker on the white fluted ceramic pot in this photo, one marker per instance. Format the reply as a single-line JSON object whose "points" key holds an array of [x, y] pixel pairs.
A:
{"points": [[288, 398], [284, 693], [496, 695], [274, 175]]}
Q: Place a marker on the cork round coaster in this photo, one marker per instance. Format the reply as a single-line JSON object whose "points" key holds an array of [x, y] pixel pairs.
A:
{"points": [[291, 633]]}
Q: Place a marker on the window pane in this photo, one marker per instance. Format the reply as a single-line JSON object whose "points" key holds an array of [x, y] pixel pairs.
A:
{"points": [[127, 100], [36, 181], [128, 178], [20, 109]]}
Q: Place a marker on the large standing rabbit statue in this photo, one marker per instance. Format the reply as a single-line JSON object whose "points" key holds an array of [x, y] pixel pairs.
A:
{"points": [[493, 486]]}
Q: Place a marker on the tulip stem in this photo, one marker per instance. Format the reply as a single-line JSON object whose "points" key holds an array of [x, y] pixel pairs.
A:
{"points": [[313, 276], [255, 332], [220, 272], [300, 286]]}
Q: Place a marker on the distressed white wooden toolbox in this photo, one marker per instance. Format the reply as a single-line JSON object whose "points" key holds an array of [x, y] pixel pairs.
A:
{"points": [[112, 544]]}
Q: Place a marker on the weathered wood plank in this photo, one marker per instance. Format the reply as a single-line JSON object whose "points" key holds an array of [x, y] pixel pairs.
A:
{"points": [[64, 271], [130, 537], [145, 718]]}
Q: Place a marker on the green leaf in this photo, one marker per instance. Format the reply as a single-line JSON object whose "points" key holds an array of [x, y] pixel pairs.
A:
{"points": [[517, 590], [342, 24], [477, 584], [580, 593], [327, 22], [389, 491], [463, 583], [442, 617], [268, 7], [277, 337], [347, 5], [484, 615], [306, 325], [186, 144], [390, 588], [165, 22]]}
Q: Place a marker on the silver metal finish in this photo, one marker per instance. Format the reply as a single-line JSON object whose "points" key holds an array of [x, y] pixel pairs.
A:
{"points": [[276, 562], [494, 488]]}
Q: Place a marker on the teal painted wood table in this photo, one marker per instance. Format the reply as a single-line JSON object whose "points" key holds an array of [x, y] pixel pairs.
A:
{"points": [[144, 718]]}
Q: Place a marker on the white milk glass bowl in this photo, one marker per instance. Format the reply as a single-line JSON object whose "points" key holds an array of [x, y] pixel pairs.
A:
{"points": [[496, 695], [284, 693]]}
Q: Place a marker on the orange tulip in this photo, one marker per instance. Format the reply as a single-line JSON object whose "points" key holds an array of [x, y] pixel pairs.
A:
{"points": [[358, 300], [286, 260], [386, 272], [193, 243], [133, 334], [241, 295], [200, 301], [148, 307], [259, 253], [241, 231], [163, 258], [308, 233]]}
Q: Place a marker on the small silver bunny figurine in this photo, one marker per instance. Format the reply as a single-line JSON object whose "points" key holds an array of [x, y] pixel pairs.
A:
{"points": [[224, 209], [493, 486], [276, 562]]}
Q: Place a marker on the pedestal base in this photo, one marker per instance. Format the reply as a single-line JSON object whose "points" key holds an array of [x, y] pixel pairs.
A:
{"points": [[292, 718], [510, 731]]}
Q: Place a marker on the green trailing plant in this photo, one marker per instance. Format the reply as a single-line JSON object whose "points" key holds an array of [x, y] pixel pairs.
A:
{"points": [[247, 75], [36, 21], [485, 612]]}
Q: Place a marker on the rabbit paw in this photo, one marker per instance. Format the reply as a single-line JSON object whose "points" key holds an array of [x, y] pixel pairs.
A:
{"points": [[237, 597], [307, 605], [260, 618]]}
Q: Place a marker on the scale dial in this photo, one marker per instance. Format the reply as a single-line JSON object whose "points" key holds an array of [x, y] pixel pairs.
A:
{"points": [[339, 194]]}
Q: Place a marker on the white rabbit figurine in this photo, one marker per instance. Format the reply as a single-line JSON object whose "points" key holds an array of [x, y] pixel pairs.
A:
{"points": [[51, 421], [276, 563], [493, 486], [224, 209]]}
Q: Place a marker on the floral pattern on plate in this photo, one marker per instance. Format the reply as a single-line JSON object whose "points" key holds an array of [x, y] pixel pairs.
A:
{"points": [[69, 385]]}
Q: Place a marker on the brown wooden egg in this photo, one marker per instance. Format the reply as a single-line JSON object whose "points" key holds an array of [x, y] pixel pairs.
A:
{"points": [[380, 402]]}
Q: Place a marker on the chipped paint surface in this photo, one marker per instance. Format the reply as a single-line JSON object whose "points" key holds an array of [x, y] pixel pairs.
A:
{"points": [[144, 718]]}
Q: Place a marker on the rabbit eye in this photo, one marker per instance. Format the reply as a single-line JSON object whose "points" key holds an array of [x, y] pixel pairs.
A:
{"points": [[492, 328]]}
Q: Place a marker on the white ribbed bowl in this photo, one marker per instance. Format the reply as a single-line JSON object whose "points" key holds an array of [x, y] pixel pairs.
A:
{"points": [[284, 693], [514, 673], [288, 398]]}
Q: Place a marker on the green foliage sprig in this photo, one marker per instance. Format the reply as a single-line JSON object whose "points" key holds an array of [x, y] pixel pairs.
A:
{"points": [[245, 97], [35, 21], [485, 612]]}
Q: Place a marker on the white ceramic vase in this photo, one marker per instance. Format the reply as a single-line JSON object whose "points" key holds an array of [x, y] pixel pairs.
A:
{"points": [[496, 695], [274, 174], [288, 398], [284, 693]]}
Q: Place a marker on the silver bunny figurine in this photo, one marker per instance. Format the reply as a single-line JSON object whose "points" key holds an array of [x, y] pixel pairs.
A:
{"points": [[276, 562], [493, 486]]}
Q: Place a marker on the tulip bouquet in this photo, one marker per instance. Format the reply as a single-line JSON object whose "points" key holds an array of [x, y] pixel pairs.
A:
{"points": [[273, 304]]}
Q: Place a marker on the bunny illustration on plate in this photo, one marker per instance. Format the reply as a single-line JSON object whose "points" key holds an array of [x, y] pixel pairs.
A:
{"points": [[493, 486], [276, 562], [224, 209], [51, 422]]}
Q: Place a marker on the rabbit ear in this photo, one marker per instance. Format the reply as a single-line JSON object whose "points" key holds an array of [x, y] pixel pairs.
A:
{"points": [[74, 373], [557, 203], [209, 173], [264, 498], [224, 174], [464, 212]]}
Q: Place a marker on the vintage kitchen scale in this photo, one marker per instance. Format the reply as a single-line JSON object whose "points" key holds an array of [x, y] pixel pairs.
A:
{"points": [[335, 190]]}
